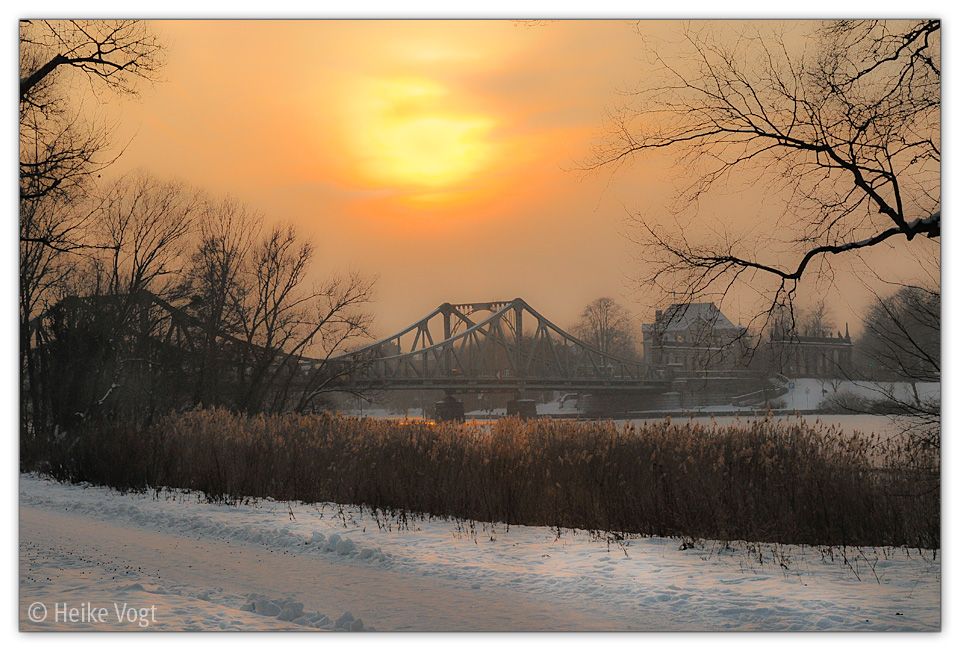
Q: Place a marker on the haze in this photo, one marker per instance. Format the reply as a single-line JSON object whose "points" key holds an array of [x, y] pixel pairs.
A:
{"points": [[439, 155]]}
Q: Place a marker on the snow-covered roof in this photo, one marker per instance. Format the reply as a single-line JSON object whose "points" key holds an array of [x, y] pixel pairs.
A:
{"points": [[680, 316]]}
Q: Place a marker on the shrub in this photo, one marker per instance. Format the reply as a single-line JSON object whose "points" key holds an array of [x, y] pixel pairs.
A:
{"points": [[847, 402]]}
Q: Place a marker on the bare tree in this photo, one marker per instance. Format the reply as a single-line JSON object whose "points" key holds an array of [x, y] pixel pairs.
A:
{"points": [[59, 151], [817, 321], [339, 320], [901, 335], [265, 331], [606, 325], [282, 319], [116, 53], [847, 131], [102, 345], [273, 308], [227, 231], [144, 223], [58, 156], [901, 345], [61, 154]]}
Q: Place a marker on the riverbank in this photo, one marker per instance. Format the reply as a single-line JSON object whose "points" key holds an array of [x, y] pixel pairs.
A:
{"points": [[773, 480], [202, 564]]}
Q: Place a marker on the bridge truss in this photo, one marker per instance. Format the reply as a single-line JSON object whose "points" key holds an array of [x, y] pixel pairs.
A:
{"points": [[494, 346], [504, 346]]}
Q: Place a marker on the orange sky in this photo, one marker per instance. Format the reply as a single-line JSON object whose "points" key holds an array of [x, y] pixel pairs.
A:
{"points": [[438, 155]]}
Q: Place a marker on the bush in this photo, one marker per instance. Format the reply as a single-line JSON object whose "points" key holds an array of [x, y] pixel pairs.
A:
{"points": [[847, 402], [765, 481]]}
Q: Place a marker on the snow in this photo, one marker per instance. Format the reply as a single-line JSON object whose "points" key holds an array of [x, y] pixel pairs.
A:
{"points": [[559, 408], [374, 411], [808, 393], [496, 412], [272, 565]]}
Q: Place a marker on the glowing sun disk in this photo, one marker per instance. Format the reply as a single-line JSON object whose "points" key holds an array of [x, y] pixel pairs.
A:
{"points": [[403, 134]]}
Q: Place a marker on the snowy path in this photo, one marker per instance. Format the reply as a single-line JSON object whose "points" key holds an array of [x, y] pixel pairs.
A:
{"points": [[222, 572], [198, 563]]}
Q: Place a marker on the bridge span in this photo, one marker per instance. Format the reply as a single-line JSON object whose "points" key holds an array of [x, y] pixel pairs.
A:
{"points": [[458, 348], [492, 346]]}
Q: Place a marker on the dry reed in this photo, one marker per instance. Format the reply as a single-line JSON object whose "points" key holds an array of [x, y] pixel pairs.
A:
{"points": [[769, 481]]}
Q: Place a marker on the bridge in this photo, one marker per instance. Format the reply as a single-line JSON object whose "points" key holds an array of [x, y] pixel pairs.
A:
{"points": [[463, 348], [493, 346]]}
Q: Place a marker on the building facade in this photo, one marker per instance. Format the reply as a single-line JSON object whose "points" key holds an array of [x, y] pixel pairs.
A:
{"points": [[815, 357], [694, 337]]}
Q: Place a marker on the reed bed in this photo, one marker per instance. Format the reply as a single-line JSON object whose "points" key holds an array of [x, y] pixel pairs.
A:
{"points": [[764, 481]]}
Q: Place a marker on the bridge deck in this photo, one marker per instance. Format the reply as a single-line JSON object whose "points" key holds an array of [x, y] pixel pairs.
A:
{"points": [[468, 385]]}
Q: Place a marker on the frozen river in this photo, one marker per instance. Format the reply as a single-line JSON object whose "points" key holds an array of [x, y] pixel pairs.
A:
{"points": [[863, 423], [804, 395]]}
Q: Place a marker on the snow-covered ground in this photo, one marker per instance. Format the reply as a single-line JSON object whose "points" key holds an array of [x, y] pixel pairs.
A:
{"points": [[808, 393], [384, 412], [182, 564], [568, 407]]}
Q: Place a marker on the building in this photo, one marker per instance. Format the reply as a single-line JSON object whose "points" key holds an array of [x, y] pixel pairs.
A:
{"points": [[813, 357], [690, 337]]}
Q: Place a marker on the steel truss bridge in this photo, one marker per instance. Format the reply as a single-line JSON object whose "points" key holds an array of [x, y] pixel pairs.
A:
{"points": [[495, 346]]}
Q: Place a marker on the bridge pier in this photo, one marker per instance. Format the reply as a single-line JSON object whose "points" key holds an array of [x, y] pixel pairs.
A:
{"points": [[448, 409], [522, 408]]}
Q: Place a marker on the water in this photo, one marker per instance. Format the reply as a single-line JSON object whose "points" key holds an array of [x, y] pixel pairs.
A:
{"points": [[884, 426]]}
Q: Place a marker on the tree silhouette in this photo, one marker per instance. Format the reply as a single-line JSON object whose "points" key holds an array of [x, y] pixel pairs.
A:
{"points": [[116, 53], [605, 325], [846, 131]]}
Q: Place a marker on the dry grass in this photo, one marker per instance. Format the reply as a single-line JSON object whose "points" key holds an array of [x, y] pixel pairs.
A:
{"points": [[759, 481]]}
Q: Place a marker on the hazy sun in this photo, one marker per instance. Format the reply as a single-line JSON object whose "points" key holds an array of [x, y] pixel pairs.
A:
{"points": [[405, 131]]}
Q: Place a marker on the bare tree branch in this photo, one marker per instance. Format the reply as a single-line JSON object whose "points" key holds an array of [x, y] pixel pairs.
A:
{"points": [[115, 52], [846, 131]]}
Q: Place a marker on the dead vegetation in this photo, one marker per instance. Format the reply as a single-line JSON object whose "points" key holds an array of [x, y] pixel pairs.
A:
{"points": [[764, 481]]}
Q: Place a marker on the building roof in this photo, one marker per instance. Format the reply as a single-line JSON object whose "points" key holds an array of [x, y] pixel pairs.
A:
{"points": [[680, 316]]}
